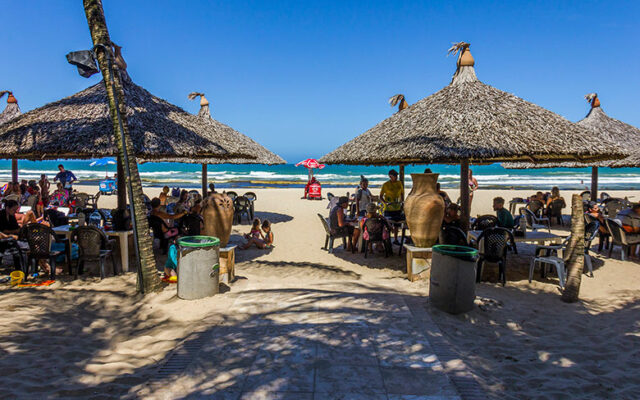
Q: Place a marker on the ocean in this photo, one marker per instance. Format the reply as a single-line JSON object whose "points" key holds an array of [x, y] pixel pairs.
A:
{"points": [[258, 176]]}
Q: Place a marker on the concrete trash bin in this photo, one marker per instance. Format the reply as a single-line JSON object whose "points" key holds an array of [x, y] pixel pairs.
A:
{"points": [[452, 287], [198, 266]]}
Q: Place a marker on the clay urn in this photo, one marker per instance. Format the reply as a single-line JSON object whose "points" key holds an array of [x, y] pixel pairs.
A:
{"points": [[217, 213], [466, 59], [424, 210]]}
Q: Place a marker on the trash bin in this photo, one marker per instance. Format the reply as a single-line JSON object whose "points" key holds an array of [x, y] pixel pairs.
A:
{"points": [[452, 287], [198, 266]]}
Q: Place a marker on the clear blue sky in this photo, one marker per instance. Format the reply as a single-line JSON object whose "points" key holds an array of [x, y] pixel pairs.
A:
{"points": [[302, 78]]}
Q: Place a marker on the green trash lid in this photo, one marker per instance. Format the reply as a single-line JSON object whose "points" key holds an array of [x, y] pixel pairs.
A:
{"points": [[198, 241], [461, 252]]}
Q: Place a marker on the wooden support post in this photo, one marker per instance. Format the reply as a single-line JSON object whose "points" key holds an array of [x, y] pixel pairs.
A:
{"points": [[122, 185], [204, 181], [465, 206], [594, 183], [402, 180], [14, 170]]}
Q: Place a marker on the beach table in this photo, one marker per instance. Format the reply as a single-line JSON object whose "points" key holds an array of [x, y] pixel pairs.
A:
{"points": [[530, 237], [123, 242]]}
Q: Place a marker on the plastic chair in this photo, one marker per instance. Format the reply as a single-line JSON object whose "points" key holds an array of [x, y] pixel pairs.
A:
{"points": [[453, 235], [375, 230], [586, 195], [536, 206], [39, 237], [494, 243], [232, 195], [613, 207], [252, 198], [483, 222], [191, 225], [242, 206], [533, 222], [604, 196], [619, 238], [328, 242], [93, 246]]}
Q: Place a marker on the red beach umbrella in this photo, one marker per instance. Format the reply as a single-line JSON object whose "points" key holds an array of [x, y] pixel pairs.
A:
{"points": [[310, 164]]}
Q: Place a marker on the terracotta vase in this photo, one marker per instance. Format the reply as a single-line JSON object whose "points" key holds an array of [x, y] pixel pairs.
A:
{"points": [[424, 210], [217, 213], [466, 59]]}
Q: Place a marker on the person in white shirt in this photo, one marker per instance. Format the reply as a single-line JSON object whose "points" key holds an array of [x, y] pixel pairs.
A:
{"points": [[363, 197]]}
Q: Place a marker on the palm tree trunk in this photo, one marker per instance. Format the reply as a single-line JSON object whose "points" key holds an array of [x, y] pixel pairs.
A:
{"points": [[575, 263], [148, 279]]}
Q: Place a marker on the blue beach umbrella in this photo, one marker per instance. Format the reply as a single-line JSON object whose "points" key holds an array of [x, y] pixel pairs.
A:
{"points": [[103, 162]]}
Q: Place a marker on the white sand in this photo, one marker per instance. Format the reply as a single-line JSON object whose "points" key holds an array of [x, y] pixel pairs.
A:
{"points": [[92, 338]]}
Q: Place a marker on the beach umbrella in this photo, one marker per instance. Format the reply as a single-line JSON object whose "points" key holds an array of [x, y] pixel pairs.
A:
{"points": [[10, 112], [310, 164], [104, 162], [600, 123], [471, 122]]}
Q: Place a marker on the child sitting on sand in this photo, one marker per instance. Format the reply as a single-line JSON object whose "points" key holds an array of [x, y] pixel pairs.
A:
{"points": [[257, 238]]}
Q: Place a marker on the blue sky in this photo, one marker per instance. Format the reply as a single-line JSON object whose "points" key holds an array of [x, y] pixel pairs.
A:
{"points": [[302, 78]]}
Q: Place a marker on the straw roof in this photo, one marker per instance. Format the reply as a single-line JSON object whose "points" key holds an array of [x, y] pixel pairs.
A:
{"points": [[471, 120], [234, 142], [79, 126], [599, 122], [11, 111]]}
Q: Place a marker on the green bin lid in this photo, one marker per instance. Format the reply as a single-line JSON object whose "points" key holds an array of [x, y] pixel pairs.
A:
{"points": [[463, 252], [198, 241]]}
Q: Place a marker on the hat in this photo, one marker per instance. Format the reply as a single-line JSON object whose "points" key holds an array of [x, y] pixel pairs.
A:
{"points": [[343, 200], [393, 172], [372, 208]]}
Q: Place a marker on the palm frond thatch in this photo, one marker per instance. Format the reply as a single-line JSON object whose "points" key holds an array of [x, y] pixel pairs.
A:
{"points": [[79, 126], [471, 120], [599, 123]]}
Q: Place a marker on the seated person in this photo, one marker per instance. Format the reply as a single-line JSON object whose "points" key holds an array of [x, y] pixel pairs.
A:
{"points": [[267, 233], [505, 219], [338, 221], [595, 212], [254, 236], [443, 194], [193, 223], [630, 219], [60, 196], [8, 222], [452, 216], [157, 216], [212, 189], [372, 213]]}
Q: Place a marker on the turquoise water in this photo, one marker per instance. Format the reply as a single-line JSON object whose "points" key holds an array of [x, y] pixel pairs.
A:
{"points": [[226, 175]]}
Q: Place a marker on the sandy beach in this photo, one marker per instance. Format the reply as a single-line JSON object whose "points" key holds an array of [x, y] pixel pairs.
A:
{"points": [[98, 339]]}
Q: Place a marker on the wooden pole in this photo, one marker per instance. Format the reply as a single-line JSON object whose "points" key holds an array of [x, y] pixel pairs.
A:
{"points": [[148, 280], [14, 170], [402, 180], [465, 207], [594, 183], [204, 181], [122, 185]]}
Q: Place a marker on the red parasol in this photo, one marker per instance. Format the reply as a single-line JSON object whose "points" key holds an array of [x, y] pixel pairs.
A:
{"points": [[310, 163]]}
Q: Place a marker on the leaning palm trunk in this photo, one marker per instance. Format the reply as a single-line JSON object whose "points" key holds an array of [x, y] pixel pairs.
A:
{"points": [[575, 263], [148, 280]]}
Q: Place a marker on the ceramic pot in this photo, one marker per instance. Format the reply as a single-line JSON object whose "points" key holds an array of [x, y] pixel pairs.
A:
{"points": [[466, 59], [424, 210], [217, 213]]}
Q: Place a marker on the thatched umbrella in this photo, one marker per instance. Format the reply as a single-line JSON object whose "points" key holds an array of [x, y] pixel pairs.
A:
{"points": [[600, 123], [80, 127], [235, 142], [10, 112], [469, 121]]}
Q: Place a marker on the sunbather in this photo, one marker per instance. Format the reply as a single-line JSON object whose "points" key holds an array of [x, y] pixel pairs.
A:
{"points": [[254, 237]]}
